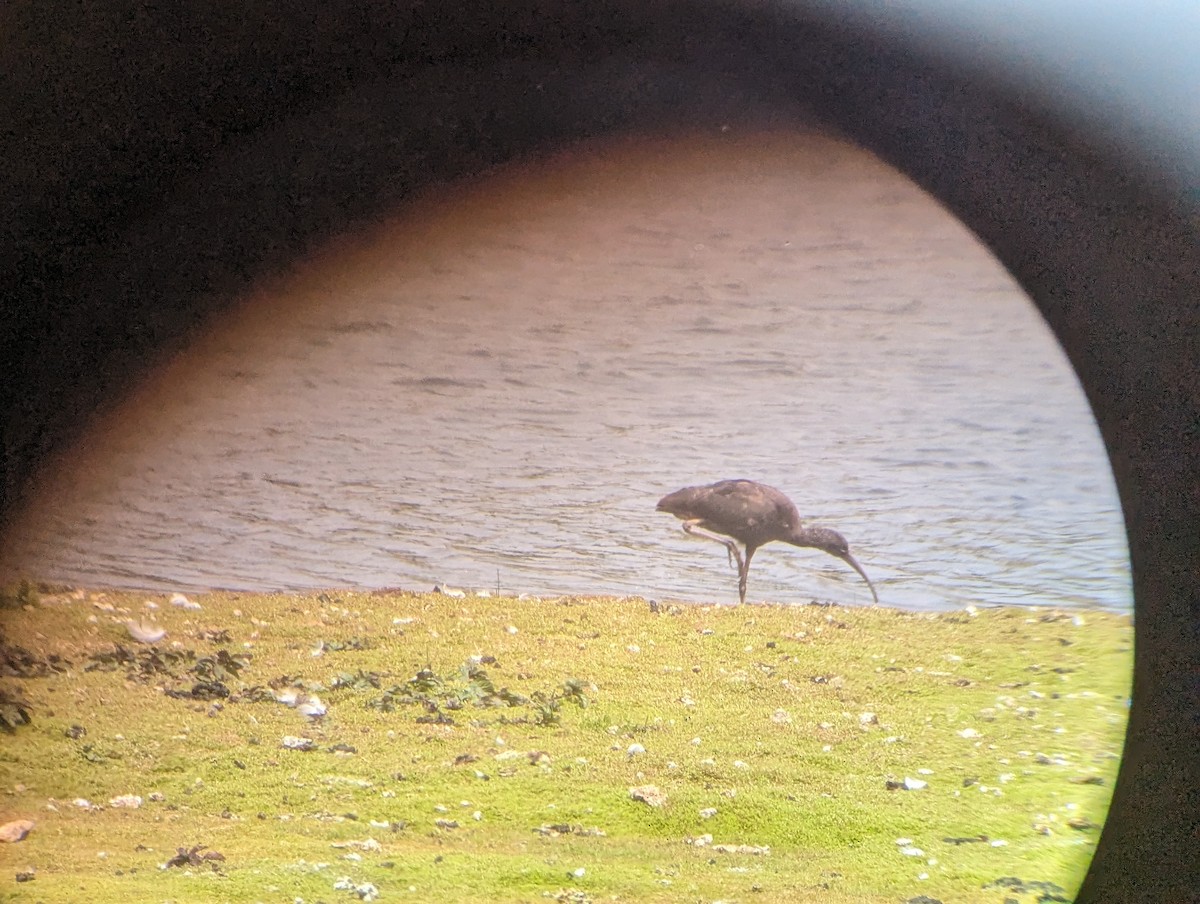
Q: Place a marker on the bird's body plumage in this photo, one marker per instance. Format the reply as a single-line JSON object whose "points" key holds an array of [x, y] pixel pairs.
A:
{"points": [[752, 514]]}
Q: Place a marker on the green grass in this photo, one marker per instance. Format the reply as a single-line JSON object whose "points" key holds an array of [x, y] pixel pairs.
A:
{"points": [[757, 712]]}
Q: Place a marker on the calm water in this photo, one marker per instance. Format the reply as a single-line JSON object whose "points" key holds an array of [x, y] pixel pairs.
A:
{"points": [[497, 387]]}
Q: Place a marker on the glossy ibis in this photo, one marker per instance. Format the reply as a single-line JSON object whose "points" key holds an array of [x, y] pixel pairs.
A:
{"points": [[751, 514]]}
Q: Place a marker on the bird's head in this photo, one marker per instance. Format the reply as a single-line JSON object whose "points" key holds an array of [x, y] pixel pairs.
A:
{"points": [[835, 544], [826, 540]]}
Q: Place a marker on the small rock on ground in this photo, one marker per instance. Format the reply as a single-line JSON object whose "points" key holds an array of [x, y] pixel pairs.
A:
{"points": [[12, 832], [648, 794]]}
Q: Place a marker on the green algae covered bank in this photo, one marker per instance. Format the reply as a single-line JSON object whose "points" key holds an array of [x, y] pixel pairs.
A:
{"points": [[396, 746]]}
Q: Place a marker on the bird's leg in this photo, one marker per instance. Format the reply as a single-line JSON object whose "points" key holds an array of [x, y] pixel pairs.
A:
{"points": [[735, 554], [744, 573]]}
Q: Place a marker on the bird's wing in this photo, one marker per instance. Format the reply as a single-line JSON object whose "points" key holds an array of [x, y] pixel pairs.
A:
{"points": [[730, 503], [768, 504], [737, 489], [785, 512]]}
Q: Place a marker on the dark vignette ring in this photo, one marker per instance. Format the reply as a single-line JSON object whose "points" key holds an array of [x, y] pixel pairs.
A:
{"points": [[158, 161]]}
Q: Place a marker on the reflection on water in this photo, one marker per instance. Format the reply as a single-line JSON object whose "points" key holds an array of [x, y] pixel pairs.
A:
{"points": [[498, 387]]}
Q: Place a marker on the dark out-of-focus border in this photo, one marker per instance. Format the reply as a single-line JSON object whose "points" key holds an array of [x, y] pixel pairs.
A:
{"points": [[158, 159]]}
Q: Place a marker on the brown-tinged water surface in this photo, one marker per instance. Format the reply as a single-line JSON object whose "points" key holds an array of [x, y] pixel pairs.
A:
{"points": [[496, 387]]}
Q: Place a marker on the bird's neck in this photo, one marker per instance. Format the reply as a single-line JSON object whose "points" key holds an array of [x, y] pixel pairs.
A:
{"points": [[803, 536], [812, 537]]}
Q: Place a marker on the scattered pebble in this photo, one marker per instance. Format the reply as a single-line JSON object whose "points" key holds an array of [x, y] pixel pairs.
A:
{"points": [[128, 801], [305, 704], [293, 743], [369, 844], [1056, 760], [742, 849], [708, 812], [365, 891], [311, 706], [145, 632], [635, 749], [969, 733], [909, 851], [554, 831], [12, 832], [648, 794]]}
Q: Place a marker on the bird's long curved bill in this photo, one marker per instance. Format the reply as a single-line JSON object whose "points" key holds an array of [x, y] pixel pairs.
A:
{"points": [[849, 560]]}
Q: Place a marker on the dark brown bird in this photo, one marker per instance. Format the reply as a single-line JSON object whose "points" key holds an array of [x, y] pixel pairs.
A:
{"points": [[752, 514]]}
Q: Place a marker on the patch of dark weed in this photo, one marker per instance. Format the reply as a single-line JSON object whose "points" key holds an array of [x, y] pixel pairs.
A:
{"points": [[471, 686], [1047, 892], [18, 662], [14, 711], [342, 646], [20, 594], [141, 665], [197, 855]]}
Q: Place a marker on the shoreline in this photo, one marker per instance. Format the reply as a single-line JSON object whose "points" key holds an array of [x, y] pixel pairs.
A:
{"points": [[11, 588]]}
